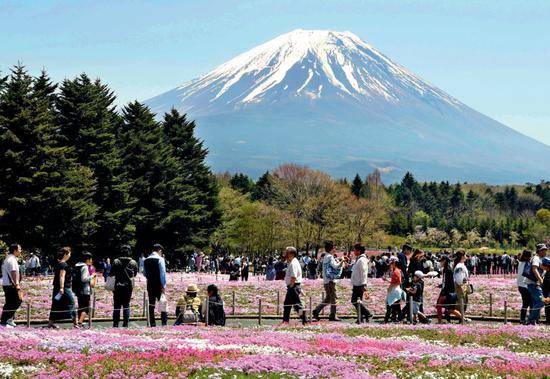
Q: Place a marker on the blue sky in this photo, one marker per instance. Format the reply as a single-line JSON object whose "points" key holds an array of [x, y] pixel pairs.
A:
{"points": [[492, 55]]}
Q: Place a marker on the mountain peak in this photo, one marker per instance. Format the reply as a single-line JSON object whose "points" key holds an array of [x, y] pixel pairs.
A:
{"points": [[304, 66]]}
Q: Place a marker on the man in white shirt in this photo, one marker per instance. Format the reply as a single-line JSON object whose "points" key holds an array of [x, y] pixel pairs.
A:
{"points": [[534, 284], [11, 286], [33, 264], [359, 276], [293, 281], [332, 269]]}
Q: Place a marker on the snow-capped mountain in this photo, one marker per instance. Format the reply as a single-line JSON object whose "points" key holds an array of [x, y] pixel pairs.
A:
{"points": [[331, 101]]}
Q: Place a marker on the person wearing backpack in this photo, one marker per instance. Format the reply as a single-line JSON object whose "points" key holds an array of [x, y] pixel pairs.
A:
{"points": [[524, 259], [533, 273], [332, 270], [216, 313], [82, 285], [124, 269]]}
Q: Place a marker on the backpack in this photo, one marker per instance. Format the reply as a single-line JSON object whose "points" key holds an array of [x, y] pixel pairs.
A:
{"points": [[330, 272], [216, 313], [78, 284]]}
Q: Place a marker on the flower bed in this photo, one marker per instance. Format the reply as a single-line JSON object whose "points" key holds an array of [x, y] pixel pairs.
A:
{"points": [[247, 294], [321, 350]]}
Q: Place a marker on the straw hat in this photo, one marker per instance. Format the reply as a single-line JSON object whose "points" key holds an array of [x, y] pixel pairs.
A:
{"points": [[192, 288]]}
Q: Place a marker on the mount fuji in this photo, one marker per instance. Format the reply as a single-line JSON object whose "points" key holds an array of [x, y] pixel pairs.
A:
{"points": [[333, 102]]}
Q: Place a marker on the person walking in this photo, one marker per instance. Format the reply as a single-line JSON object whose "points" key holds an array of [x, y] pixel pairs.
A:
{"points": [[394, 294], [11, 284], [82, 286], [534, 282], [524, 259], [293, 281], [154, 269], [359, 276], [63, 306], [124, 270], [447, 296], [332, 270], [461, 279]]}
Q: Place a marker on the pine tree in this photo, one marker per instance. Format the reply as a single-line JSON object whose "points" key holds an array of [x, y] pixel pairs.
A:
{"points": [[87, 123], [179, 133], [357, 186], [45, 196]]}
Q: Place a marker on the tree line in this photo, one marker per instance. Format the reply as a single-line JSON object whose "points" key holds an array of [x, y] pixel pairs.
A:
{"points": [[76, 172]]}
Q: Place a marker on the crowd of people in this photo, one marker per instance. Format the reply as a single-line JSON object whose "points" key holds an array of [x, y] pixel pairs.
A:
{"points": [[75, 279]]}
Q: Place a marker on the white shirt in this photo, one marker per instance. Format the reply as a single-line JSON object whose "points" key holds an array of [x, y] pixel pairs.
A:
{"points": [[294, 270], [10, 264], [460, 274], [535, 262], [520, 280], [360, 271]]}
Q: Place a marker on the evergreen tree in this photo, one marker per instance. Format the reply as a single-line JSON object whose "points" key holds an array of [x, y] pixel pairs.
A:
{"points": [[45, 196], [87, 121], [357, 186], [263, 190], [191, 154], [242, 183]]}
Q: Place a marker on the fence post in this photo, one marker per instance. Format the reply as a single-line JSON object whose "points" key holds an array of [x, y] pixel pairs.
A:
{"points": [[357, 304], [461, 303], [322, 300], [28, 315], [144, 303], [207, 315], [411, 313], [278, 302], [93, 305], [260, 312], [147, 312], [310, 308], [90, 320], [505, 312], [491, 305], [233, 303]]}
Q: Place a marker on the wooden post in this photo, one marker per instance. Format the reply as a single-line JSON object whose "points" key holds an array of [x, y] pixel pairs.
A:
{"points": [[147, 311], [310, 309], [28, 315], [461, 303], [278, 302], [505, 312], [411, 313], [491, 305], [207, 315], [233, 303], [358, 306], [144, 303], [322, 300], [260, 312], [90, 320], [93, 305]]}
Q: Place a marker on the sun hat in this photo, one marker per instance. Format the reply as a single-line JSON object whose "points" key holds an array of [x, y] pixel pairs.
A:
{"points": [[192, 288], [419, 273], [393, 259], [541, 247]]}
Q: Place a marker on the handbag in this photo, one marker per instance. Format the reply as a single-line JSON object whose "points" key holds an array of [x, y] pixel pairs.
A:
{"points": [[110, 283], [163, 303]]}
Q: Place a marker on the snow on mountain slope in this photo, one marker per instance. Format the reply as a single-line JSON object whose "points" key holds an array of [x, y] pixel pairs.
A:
{"points": [[331, 101], [310, 64]]}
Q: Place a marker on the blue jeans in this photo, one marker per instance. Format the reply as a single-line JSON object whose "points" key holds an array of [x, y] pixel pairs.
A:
{"points": [[536, 302]]}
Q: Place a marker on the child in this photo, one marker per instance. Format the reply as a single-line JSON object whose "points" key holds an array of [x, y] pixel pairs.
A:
{"points": [[416, 290], [188, 307]]}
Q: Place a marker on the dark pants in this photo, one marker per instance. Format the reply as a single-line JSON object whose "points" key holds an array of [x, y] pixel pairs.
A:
{"points": [[11, 305], [121, 299], [525, 303], [392, 311], [330, 298], [546, 293], [154, 296], [292, 299], [357, 294], [83, 304]]}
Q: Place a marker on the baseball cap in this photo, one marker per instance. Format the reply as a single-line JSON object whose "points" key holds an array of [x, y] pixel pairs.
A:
{"points": [[541, 247], [545, 261]]}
